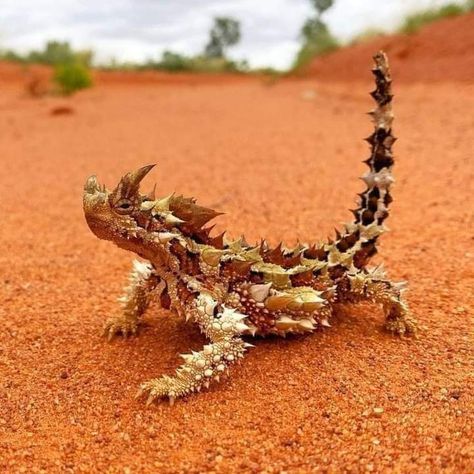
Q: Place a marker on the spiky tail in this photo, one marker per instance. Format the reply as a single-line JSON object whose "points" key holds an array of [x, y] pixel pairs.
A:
{"points": [[359, 239], [374, 201]]}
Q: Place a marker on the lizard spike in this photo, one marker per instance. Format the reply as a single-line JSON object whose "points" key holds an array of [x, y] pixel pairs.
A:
{"points": [[263, 246], [243, 241], [306, 324], [171, 219], [304, 278], [212, 256], [241, 267], [151, 195], [275, 255], [260, 292], [217, 241], [129, 184], [136, 177], [194, 215], [252, 330], [92, 185], [207, 230], [147, 206], [164, 237], [163, 204], [293, 260], [285, 323], [310, 251], [278, 302], [355, 213]]}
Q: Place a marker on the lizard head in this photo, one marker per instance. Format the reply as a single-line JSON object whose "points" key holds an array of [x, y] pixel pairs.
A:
{"points": [[138, 222], [124, 215]]}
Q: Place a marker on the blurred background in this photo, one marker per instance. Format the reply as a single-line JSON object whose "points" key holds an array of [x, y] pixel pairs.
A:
{"points": [[245, 36], [258, 109]]}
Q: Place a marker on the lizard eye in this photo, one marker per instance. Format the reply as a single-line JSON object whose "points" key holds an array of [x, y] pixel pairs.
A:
{"points": [[124, 206]]}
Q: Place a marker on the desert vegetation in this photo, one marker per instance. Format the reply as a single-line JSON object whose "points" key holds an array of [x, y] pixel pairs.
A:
{"points": [[224, 33], [416, 20], [72, 67], [318, 40], [71, 77], [316, 36]]}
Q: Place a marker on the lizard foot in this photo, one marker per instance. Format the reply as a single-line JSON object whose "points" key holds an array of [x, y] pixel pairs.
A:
{"points": [[199, 371], [401, 326], [158, 389], [120, 325]]}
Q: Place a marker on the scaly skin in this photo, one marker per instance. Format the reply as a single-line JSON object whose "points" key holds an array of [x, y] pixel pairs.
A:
{"points": [[230, 288]]}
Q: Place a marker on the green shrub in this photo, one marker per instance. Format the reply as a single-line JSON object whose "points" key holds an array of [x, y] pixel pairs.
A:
{"points": [[224, 33], [174, 62], [417, 20], [12, 56], [59, 52], [71, 77], [318, 40], [213, 65]]}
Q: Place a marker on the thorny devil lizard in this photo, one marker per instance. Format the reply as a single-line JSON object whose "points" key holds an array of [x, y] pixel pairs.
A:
{"points": [[231, 289]]}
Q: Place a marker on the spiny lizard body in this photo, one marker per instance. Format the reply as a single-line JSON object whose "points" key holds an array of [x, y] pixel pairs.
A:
{"points": [[231, 289]]}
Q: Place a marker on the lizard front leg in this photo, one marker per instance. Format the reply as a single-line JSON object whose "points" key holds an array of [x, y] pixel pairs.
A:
{"points": [[224, 328], [374, 287], [135, 300]]}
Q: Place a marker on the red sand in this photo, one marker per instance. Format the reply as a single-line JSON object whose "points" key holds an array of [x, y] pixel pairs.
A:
{"points": [[281, 166]]}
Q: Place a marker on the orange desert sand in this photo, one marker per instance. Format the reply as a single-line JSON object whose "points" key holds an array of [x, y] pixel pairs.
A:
{"points": [[282, 160]]}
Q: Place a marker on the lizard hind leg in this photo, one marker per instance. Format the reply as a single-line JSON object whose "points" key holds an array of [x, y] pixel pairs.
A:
{"points": [[389, 295], [398, 318], [201, 368]]}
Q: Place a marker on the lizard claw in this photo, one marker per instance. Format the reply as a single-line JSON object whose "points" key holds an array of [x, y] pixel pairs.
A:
{"points": [[401, 326], [120, 325], [150, 399], [156, 389]]}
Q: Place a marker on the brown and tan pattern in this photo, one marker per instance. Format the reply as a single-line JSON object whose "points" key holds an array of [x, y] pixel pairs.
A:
{"points": [[230, 288]]}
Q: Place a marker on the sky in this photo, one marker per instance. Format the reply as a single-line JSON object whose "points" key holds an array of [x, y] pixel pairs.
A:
{"points": [[137, 30]]}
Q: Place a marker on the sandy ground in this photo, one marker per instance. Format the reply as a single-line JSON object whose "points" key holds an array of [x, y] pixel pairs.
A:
{"points": [[282, 160]]}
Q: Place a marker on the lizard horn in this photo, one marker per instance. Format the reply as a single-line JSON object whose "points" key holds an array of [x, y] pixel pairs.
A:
{"points": [[129, 184]]}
